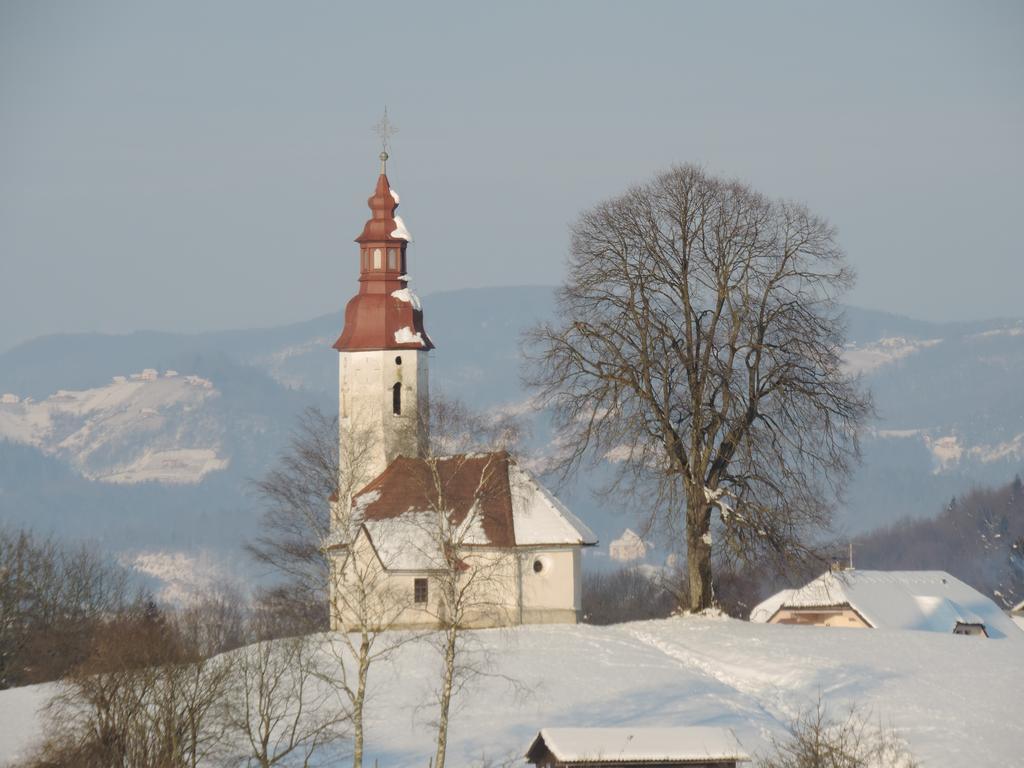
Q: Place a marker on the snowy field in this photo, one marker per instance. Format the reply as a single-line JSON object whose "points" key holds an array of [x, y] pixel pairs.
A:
{"points": [[955, 700]]}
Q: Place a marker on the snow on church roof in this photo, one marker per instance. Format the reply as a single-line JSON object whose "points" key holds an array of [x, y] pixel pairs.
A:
{"points": [[619, 745], [927, 600], [492, 502], [538, 517]]}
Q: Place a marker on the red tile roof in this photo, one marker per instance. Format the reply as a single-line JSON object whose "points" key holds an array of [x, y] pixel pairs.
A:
{"points": [[453, 482]]}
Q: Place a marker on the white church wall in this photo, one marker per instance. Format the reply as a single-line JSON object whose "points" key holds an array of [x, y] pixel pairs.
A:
{"points": [[553, 593], [491, 599], [550, 596], [365, 402]]}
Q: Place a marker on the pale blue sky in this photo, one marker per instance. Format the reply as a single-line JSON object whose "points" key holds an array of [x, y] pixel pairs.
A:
{"points": [[198, 165]]}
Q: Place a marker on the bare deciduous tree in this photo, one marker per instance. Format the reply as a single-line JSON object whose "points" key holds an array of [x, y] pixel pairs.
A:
{"points": [[816, 740], [699, 343], [364, 596], [308, 540], [366, 607], [144, 698], [52, 598], [627, 594], [469, 581], [298, 520], [279, 704]]}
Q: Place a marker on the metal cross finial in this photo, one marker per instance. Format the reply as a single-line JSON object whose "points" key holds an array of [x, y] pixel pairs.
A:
{"points": [[385, 129]]}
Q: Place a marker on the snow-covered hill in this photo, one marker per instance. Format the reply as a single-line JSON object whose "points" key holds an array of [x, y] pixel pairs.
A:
{"points": [[143, 427], [955, 700], [866, 358]]}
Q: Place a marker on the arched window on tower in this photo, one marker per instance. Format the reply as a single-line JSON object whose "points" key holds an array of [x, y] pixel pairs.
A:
{"points": [[396, 398]]}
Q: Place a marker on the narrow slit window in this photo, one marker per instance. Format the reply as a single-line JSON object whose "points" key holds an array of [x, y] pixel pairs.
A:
{"points": [[419, 590], [396, 398]]}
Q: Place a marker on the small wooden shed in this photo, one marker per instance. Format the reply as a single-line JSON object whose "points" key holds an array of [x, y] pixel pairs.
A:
{"points": [[695, 747]]}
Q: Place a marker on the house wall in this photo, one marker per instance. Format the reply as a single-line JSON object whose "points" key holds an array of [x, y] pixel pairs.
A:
{"points": [[820, 617]]}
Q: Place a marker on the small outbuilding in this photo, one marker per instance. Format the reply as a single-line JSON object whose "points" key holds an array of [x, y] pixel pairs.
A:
{"points": [[695, 747]]}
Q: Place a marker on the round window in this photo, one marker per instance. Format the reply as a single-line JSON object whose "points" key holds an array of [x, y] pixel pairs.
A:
{"points": [[398, 360], [538, 566]]}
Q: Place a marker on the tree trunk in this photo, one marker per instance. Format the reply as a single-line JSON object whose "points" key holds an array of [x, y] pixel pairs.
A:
{"points": [[357, 705], [698, 550], [446, 697]]}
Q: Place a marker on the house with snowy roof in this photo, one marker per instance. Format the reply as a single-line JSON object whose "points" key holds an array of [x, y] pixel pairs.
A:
{"points": [[696, 747], [932, 601], [628, 547], [401, 525]]}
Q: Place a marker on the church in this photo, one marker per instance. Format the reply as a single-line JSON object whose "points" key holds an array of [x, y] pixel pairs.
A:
{"points": [[404, 520]]}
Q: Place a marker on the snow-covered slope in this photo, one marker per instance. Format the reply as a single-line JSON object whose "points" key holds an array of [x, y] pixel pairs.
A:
{"points": [[955, 700], [139, 428], [865, 358]]}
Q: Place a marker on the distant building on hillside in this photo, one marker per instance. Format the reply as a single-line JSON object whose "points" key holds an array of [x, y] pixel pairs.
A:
{"points": [[628, 547], [9, 398], [933, 601], [697, 747]]}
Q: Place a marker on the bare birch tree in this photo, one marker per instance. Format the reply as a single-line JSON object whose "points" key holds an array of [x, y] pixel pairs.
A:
{"points": [[279, 705], [469, 578], [699, 341], [366, 607], [298, 520], [364, 597]]}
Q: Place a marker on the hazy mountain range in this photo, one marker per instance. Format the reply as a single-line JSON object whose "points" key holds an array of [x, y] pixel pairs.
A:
{"points": [[148, 441]]}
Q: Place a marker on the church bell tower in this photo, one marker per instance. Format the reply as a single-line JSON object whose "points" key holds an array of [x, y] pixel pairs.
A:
{"points": [[382, 374]]}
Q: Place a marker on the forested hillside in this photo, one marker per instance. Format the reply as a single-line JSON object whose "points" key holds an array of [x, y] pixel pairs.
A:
{"points": [[979, 538]]}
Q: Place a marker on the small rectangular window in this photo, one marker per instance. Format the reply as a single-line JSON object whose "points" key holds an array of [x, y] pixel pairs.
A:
{"points": [[377, 258], [419, 589], [392, 259]]}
